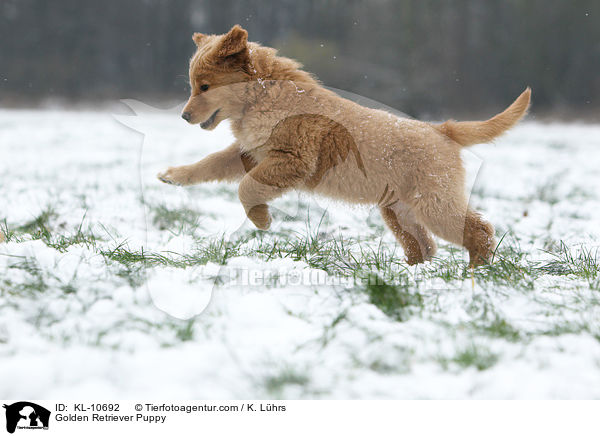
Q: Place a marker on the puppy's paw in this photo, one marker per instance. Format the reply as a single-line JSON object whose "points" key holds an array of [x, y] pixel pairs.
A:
{"points": [[414, 258], [260, 216], [179, 176], [429, 248], [421, 254], [479, 258]]}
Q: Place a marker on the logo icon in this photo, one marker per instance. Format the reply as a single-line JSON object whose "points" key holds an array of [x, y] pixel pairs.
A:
{"points": [[26, 415]]}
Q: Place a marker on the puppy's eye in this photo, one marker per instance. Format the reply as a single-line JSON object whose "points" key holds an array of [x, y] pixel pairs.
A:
{"points": [[204, 88]]}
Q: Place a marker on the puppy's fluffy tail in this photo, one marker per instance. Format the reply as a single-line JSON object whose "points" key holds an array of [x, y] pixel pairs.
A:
{"points": [[475, 132]]}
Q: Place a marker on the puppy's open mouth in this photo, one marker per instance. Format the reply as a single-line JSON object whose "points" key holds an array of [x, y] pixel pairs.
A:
{"points": [[206, 124]]}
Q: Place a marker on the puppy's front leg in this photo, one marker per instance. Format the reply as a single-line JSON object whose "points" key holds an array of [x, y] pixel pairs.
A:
{"points": [[226, 165], [273, 176]]}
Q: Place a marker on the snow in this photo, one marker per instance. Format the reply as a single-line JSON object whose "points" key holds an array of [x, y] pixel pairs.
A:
{"points": [[96, 330]]}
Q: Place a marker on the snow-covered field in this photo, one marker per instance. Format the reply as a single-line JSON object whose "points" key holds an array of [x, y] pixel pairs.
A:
{"points": [[113, 285]]}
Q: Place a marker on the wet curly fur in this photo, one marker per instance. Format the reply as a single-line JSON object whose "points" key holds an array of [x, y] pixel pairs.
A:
{"points": [[291, 133]]}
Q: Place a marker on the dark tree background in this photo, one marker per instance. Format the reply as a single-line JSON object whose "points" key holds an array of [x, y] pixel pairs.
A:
{"points": [[428, 58]]}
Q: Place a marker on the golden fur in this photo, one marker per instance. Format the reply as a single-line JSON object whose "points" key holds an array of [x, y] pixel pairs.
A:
{"points": [[291, 133]]}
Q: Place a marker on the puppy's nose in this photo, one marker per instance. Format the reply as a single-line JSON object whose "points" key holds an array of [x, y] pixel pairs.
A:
{"points": [[186, 116]]}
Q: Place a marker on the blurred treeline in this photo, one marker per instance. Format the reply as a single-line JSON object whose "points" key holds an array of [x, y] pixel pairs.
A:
{"points": [[429, 58]]}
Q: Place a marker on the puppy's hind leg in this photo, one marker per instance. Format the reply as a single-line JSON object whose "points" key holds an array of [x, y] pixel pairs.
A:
{"points": [[451, 219], [416, 241]]}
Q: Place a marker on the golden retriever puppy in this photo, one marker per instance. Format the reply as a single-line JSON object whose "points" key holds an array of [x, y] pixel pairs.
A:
{"points": [[291, 133]]}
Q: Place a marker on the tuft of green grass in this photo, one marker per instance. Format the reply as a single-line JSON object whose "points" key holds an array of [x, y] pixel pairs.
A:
{"points": [[564, 328], [127, 257], [79, 237], [40, 228], [174, 220], [510, 267], [476, 356], [583, 263], [40, 224], [276, 383], [185, 332], [447, 267], [6, 231], [548, 192], [217, 250], [500, 328], [134, 275], [32, 284], [396, 301], [397, 360]]}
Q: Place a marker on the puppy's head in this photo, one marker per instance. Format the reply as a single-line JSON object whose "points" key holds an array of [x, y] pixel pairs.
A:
{"points": [[220, 64]]}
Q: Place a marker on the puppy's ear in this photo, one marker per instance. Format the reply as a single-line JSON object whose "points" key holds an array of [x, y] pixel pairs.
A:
{"points": [[233, 42], [199, 38]]}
